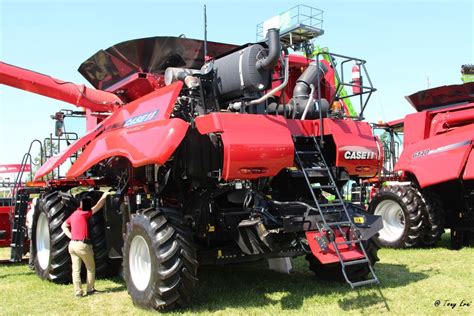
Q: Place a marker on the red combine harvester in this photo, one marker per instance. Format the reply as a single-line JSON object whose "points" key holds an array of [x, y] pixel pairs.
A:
{"points": [[430, 186], [215, 158]]}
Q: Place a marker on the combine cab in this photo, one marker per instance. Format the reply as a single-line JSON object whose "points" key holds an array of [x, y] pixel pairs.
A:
{"points": [[431, 186], [214, 159]]}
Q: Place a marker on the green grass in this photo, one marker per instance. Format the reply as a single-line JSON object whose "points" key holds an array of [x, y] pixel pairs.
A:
{"points": [[411, 282]]}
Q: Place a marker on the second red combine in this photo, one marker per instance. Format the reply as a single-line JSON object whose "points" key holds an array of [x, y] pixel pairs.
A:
{"points": [[430, 186]]}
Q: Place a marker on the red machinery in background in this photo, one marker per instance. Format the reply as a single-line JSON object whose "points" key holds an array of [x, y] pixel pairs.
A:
{"points": [[429, 186], [5, 226], [6, 188]]}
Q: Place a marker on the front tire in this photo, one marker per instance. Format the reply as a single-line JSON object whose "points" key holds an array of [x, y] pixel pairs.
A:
{"points": [[401, 212], [159, 260], [50, 244]]}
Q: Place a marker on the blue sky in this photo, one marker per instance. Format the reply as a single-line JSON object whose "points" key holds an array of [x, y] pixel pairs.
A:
{"points": [[404, 42]]}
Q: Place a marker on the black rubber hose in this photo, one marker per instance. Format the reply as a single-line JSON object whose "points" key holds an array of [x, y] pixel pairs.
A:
{"points": [[274, 47], [308, 77]]}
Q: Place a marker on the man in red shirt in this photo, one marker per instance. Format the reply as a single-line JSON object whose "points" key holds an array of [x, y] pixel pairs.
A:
{"points": [[77, 229]]}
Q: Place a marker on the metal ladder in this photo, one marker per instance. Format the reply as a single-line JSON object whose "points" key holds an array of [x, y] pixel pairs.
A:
{"points": [[20, 207], [340, 205]]}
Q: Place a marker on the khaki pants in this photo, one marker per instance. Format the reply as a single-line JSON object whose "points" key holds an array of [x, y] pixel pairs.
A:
{"points": [[82, 252]]}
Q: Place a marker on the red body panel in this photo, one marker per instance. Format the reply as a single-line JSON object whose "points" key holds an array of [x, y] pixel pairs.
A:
{"points": [[146, 144], [78, 95], [349, 136], [254, 145], [141, 131], [330, 256], [437, 159], [264, 143], [5, 225], [416, 127]]}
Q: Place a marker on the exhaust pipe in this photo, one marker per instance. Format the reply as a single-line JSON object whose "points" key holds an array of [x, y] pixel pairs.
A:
{"points": [[274, 47], [307, 78]]}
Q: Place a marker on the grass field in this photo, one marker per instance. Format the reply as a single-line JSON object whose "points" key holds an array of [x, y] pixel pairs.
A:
{"points": [[412, 280]]}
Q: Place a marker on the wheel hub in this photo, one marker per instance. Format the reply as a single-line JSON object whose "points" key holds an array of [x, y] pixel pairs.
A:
{"points": [[43, 242], [393, 220], [140, 263]]}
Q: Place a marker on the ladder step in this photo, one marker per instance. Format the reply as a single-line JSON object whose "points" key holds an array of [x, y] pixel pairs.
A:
{"points": [[354, 262], [307, 152], [316, 169], [331, 204], [332, 211], [324, 187], [365, 282], [339, 223], [348, 242]]}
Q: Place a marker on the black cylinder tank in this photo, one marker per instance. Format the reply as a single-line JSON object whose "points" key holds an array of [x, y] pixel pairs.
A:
{"points": [[237, 74]]}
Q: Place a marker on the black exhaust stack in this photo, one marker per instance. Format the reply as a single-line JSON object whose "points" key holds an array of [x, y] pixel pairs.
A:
{"points": [[274, 47]]}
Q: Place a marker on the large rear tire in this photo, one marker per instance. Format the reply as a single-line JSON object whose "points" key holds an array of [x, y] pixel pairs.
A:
{"points": [[159, 259], [104, 267], [333, 271], [433, 217], [50, 243], [401, 211]]}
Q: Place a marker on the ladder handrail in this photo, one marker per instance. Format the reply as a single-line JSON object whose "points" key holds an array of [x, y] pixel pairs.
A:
{"points": [[27, 159]]}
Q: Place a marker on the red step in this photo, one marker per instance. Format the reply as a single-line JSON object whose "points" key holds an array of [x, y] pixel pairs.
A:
{"points": [[348, 252]]}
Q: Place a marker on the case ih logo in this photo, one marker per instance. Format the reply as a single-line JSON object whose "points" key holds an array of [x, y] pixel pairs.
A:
{"points": [[140, 118], [359, 155]]}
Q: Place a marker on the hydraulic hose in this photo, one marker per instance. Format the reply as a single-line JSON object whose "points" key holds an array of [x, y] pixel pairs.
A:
{"points": [[275, 90]]}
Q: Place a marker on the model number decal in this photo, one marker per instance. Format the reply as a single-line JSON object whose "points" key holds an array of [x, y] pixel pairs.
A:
{"points": [[140, 118], [427, 152], [421, 153], [359, 155]]}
